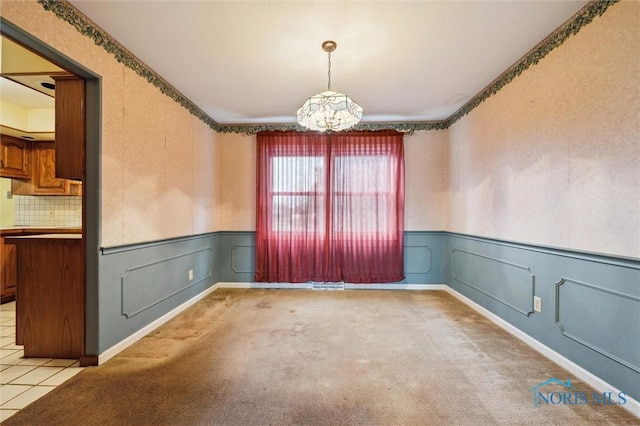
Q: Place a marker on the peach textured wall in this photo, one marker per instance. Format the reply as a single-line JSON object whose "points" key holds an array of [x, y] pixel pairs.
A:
{"points": [[554, 157], [425, 186], [158, 177], [236, 177], [424, 176]]}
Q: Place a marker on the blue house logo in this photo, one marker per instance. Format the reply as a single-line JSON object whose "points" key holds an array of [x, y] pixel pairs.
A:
{"points": [[570, 396], [547, 397]]}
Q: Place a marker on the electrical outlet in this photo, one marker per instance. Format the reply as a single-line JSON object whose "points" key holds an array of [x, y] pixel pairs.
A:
{"points": [[9, 195], [190, 274], [537, 304]]}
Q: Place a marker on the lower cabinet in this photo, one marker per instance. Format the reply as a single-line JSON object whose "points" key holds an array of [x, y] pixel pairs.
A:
{"points": [[50, 296], [9, 273]]}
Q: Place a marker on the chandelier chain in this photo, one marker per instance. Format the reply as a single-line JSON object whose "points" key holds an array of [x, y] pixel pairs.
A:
{"points": [[329, 72]]}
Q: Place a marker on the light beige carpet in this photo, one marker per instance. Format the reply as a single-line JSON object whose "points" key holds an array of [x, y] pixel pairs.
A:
{"points": [[283, 357]]}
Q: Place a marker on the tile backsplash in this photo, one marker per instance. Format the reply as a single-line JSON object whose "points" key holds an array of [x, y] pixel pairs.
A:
{"points": [[48, 211]]}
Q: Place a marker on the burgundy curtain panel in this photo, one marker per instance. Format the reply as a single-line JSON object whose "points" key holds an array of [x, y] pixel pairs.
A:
{"points": [[330, 207]]}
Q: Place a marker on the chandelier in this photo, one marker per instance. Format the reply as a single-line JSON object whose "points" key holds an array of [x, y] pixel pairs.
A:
{"points": [[329, 110]]}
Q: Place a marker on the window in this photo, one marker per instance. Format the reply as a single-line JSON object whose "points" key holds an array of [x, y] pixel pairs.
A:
{"points": [[330, 207], [298, 198], [361, 188]]}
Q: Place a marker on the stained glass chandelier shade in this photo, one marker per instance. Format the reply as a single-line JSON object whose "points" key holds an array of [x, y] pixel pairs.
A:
{"points": [[329, 110]]}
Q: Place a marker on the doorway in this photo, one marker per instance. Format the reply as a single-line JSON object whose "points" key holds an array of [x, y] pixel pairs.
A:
{"points": [[91, 179]]}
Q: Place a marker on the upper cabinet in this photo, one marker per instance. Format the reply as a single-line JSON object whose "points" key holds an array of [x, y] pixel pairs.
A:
{"points": [[70, 127], [43, 177], [14, 158]]}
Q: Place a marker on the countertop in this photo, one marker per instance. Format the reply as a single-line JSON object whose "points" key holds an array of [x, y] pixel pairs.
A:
{"points": [[44, 239], [33, 230], [47, 236]]}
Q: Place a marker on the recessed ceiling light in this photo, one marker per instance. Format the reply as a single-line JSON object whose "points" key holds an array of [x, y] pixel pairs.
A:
{"points": [[48, 85], [29, 138]]}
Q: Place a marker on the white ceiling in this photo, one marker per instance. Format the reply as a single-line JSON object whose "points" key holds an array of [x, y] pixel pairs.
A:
{"points": [[22, 74], [256, 62], [24, 96]]}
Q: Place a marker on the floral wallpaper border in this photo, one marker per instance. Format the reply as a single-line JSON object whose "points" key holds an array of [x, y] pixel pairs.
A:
{"points": [[583, 17], [67, 12]]}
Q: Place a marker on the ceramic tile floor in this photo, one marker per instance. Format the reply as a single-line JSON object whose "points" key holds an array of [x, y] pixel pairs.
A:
{"points": [[23, 380]]}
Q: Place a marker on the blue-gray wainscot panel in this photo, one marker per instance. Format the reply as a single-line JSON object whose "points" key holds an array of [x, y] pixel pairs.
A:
{"points": [[142, 282], [423, 257], [590, 303]]}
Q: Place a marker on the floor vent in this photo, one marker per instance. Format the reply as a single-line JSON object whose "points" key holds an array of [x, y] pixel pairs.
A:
{"points": [[327, 286]]}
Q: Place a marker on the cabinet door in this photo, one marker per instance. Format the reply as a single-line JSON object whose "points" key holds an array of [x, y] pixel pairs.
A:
{"points": [[14, 157], [70, 127], [50, 295], [44, 171], [43, 175], [9, 274]]}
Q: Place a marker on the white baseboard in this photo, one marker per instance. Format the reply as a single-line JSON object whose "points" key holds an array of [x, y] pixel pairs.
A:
{"points": [[346, 286], [264, 285], [395, 286], [594, 381], [123, 344]]}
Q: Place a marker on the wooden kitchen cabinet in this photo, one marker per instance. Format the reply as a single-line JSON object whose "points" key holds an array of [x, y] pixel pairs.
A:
{"points": [[15, 157], [70, 127], [43, 179], [9, 273]]}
